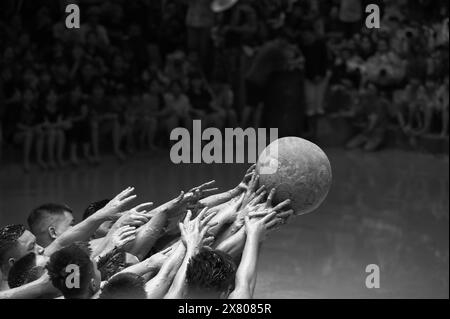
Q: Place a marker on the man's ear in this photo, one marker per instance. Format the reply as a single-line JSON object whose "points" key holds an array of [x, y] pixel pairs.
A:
{"points": [[11, 262], [52, 232], [93, 285]]}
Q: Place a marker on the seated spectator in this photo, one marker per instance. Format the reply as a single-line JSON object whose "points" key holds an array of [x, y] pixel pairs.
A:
{"points": [[178, 109], [213, 110], [93, 25], [200, 97], [223, 102], [406, 106], [373, 111], [384, 59], [29, 131]]}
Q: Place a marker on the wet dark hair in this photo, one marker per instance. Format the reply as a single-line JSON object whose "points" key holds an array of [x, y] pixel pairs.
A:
{"points": [[211, 270], [112, 263], [23, 271], [75, 254], [124, 286], [49, 209], [8, 239], [93, 207]]}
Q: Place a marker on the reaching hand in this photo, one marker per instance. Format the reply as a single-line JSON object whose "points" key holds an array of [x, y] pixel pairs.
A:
{"points": [[135, 219], [251, 189], [137, 216], [258, 227], [194, 232], [243, 185], [114, 208], [263, 209], [123, 236], [194, 195], [254, 202]]}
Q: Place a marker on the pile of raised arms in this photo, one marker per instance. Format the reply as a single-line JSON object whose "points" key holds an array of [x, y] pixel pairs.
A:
{"points": [[201, 244]]}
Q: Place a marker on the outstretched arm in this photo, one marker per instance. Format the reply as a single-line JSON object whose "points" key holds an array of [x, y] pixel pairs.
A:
{"points": [[234, 244], [246, 273], [221, 198], [40, 288], [150, 266], [148, 234], [157, 287], [194, 236], [85, 229]]}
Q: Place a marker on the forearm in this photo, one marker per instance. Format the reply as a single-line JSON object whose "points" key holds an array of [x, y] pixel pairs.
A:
{"points": [[169, 207], [234, 244], [177, 289], [221, 198], [158, 286], [80, 232], [32, 290], [246, 273], [144, 268], [148, 234], [229, 232]]}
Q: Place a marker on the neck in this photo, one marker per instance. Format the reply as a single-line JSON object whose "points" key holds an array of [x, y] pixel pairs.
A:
{"points": [[3, 285]]}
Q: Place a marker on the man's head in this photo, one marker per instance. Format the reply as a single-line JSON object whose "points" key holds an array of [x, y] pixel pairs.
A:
{"points": [[210, 274], [112, 263], [49, 221], [104, 228], [124, 286], [27, 269], [16, 242], [73, 272]]}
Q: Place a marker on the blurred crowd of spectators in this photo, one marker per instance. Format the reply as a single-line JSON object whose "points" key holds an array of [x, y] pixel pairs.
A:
{"points": [[137, 69]]}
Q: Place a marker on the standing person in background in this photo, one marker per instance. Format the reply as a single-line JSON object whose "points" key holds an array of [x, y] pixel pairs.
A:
{"points": [[78, 133], [28, 130], [199, 22], [350, 14], [315, 52], [104, 118], [54, 127]]}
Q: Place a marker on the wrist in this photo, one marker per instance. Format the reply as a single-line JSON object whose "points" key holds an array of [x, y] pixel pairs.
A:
{"points": [[235, 191], [151, 266], [253, 235], [193, 250]]}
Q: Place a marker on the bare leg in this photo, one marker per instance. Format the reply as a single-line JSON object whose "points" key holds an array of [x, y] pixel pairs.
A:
{"points": [[445, 122], [94, 141], [1, 141], [60, 146], [116, 140], [40, 149], [151, 132], [27, 142], [232, 118], [51, 141], [86, 153], [357, 141], [73, 154], [373, 143]]}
